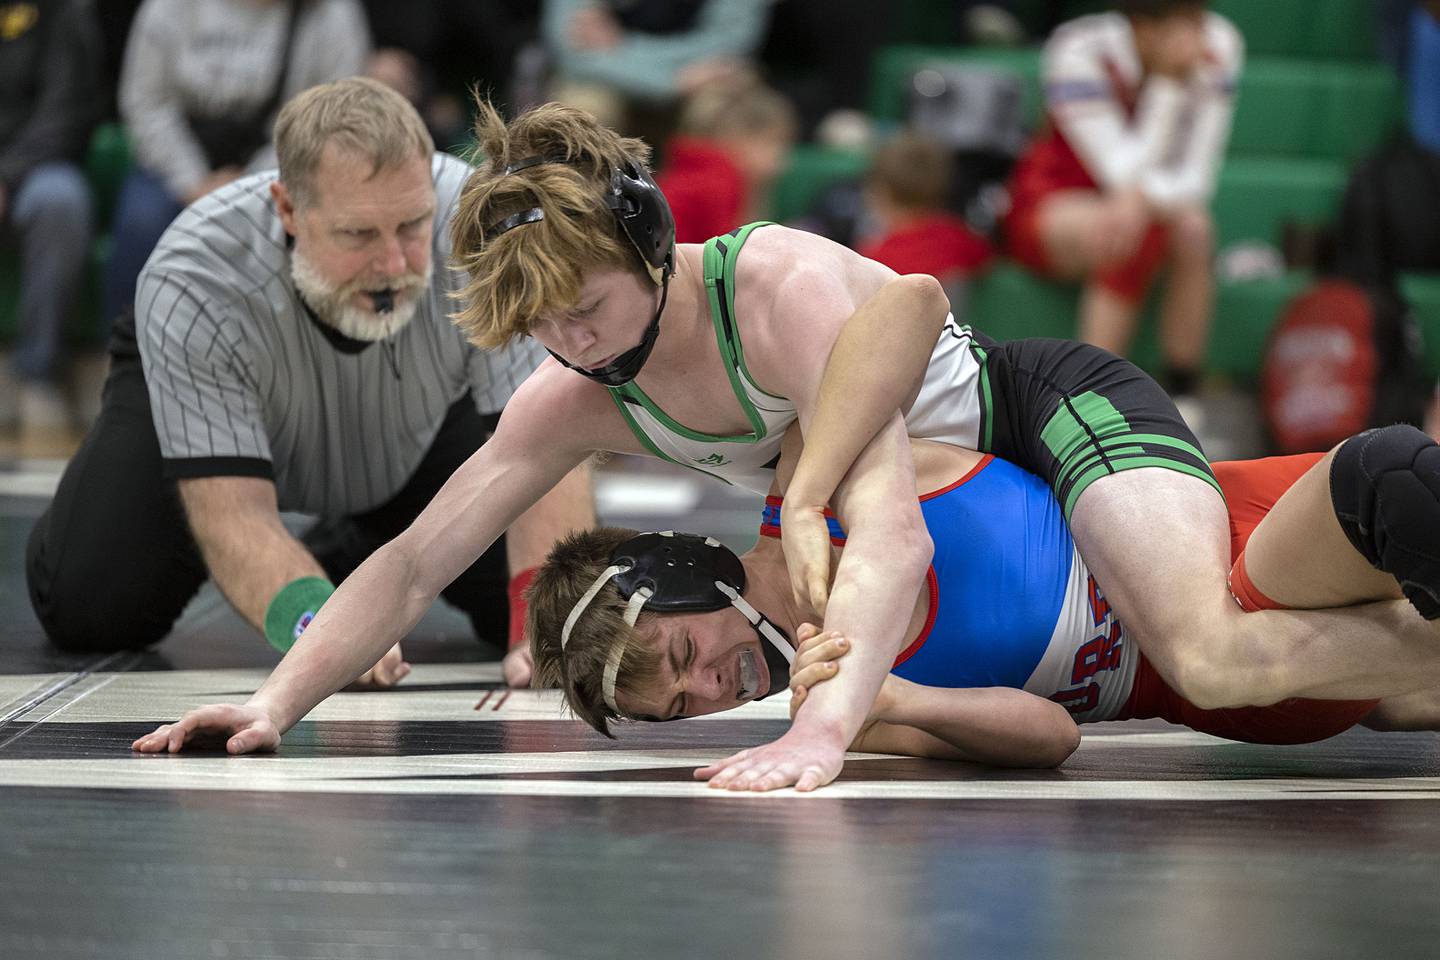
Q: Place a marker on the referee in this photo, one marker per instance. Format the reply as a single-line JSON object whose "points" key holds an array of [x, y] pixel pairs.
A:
{"points": [[290, 349]]}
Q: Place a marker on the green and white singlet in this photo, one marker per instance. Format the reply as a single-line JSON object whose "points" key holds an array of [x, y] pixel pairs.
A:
{"points": [[951, 406]]}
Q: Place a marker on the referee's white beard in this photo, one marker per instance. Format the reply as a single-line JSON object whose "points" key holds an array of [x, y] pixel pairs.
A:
{"points": [[332, 302]]}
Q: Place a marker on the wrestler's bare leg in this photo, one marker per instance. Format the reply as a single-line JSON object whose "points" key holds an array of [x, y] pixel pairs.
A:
{"points": [[1299, 557], [1158, 543], [1304, 560]]}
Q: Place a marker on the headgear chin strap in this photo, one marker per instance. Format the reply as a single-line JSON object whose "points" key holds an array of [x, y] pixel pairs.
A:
{"points": [[643, 214], [680, 573], [625, 367]]}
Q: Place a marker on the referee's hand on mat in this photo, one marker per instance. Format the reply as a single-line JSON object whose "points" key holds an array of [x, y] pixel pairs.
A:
{"points": [[391, 669], [242, 729]]}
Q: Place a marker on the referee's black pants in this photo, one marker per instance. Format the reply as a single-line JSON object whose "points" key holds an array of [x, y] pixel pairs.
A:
{"points": [[111, 563]]}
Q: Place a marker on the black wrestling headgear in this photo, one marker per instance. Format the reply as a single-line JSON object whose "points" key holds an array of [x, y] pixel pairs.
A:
{"points": [[681, 573]]}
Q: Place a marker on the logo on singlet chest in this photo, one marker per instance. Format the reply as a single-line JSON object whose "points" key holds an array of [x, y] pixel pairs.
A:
{"points": [[713, 460]]}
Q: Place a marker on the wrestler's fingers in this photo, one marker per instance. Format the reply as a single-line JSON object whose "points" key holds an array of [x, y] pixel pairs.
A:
{"points": [[813, 675], [152, 741], [705, 773], [825, 648], [811, 779], [774, 780], [731, 773]]}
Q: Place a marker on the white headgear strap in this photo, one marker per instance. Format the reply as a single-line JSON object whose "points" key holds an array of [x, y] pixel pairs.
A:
{"points": [[612, 662], [584, 601], [776, 639]]}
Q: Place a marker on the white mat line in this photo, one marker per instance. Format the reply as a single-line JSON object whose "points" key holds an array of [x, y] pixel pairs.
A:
{"points": [[64, 683], [132, 776]]}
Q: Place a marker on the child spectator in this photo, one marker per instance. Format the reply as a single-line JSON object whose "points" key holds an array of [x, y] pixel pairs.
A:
{"points": [[906, 193], [731, 145]]}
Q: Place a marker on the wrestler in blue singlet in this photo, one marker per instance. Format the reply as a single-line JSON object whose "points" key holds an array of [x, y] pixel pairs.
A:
{"points": [[1013, 604]]}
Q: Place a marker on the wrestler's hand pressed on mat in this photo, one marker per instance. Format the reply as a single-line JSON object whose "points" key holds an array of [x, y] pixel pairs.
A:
{"points": [[802, 759], [518, 666], [240, 729], [391, 669], [805, 538]]}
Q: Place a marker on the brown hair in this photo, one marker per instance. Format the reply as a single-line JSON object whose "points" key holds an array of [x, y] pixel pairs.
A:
{"points": [[573, 566], [913, 171], [734, 110], [515, 276], [362, 116]]}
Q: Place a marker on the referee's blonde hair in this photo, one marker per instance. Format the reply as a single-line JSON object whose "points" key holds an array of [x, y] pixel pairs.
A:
{"points": [[363, 117], [515, 277]]}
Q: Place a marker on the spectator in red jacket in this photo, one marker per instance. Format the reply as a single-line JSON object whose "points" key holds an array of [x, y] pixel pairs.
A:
{"points": [[905, 194], [732, 144]]}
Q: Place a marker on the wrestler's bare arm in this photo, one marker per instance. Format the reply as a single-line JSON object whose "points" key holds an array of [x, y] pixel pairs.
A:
{"points": [[796, 294], [876, 368], [997, 726], [548, 428]]}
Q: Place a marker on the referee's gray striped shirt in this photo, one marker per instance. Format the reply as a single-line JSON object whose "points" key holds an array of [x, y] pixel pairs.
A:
{"points": [[243, 383]]}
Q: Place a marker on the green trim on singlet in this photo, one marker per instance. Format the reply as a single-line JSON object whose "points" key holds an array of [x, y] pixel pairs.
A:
{"points": [[1089, 429], [649, 444], [987, 408], [1131, 463], [719, 268], [1075, 424]]}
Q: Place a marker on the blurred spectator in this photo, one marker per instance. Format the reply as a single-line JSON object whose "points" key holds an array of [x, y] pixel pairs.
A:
{"points": [[1424, 74], [1390, 219], [628, 62], [991, 23], [49, 55], [732, 143], [433, 51], [823, 70], [114, 18], [1118, 185], [201, 83], [906, 194]]}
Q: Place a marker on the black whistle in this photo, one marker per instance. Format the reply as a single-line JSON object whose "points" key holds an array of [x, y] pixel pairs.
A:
{"points": [[384, 300]]}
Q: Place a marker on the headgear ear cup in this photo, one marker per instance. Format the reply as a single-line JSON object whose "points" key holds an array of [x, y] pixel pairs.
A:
{"points": [[643, 213]]}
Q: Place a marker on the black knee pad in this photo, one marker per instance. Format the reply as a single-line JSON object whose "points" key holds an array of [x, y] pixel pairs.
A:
{"points": [[1385, 487]]}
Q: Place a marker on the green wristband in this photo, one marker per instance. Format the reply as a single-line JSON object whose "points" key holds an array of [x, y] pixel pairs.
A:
{"points": [[292, 609]]}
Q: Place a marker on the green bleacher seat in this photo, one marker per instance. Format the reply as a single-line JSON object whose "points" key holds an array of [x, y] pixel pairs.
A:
{"points": [[1320, 29], [1317, 110], [1009, 302], [1254, 197], [106, 165], [810, 170], [1315, 29]]}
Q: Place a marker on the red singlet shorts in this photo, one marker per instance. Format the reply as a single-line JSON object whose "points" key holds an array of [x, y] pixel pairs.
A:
{"points": [[1251, 488]]}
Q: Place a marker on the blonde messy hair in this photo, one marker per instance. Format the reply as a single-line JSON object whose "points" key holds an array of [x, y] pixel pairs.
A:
{"points": [[516, 276], [363, 117], [573, 566]]}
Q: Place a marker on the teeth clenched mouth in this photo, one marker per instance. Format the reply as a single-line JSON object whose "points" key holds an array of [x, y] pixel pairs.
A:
{"points": [[749, 675]]}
